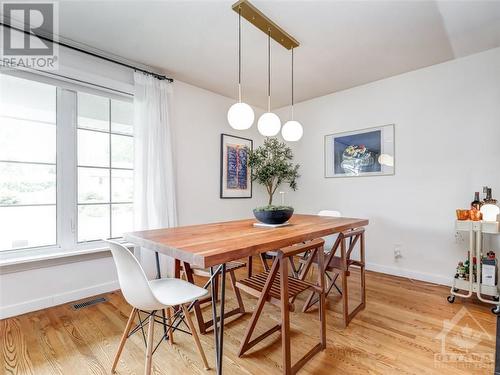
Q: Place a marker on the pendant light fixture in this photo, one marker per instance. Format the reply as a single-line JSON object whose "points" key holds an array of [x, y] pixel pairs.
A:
{"points": [[269, 123], [240, 116], [292, 130]]}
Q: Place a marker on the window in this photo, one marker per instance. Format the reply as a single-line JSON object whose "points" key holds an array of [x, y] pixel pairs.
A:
{"points": [[66, 165], [27, 163], [105, 162]]}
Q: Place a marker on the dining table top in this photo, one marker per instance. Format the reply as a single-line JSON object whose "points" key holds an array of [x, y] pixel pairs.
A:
{"points": [[206, 245]]}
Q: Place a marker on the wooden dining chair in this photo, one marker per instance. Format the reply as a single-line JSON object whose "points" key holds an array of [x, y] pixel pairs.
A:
{"points": [[298, 262], [274, 287], [150, 297], [189, 272], [340, 265]]}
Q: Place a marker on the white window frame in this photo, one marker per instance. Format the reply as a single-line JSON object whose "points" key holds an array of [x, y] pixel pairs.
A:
{"points": [[66, 171], [109, 168]]}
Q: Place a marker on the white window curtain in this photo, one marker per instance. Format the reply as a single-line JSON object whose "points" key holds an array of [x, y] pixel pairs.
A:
{"points": [[155, 200]]}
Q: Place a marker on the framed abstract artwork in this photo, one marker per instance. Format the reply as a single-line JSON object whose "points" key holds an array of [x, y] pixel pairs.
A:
{"points": [[366, 152], [235, 176]]}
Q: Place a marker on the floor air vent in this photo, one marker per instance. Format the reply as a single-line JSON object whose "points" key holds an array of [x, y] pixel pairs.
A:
{"points": [[89, 302]]}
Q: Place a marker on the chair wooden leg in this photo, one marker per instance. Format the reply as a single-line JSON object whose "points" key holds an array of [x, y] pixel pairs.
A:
{"points": [[264, 262], [149, 347], [285, 318], [197, 306], [169, 321], [363, 286], [305, 270], [302, 262], [311, 301], [302, 275], [177, 269], [247, 343], [128, 327], [350, 315], [308, 302], [293, 269], [250, 266], [345, 299], [363, 265], [322, 295], [237, 293], [195, 336]]}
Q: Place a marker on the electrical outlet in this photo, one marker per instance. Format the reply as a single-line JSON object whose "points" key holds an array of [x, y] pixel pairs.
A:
{"points": [[397, 252]]}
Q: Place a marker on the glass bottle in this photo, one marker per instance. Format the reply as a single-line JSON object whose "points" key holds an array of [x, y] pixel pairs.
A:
{"points": [[476, 203], [488, 199]]}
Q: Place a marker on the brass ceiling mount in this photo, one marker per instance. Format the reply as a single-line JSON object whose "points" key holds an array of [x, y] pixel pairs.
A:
{"points": [[263, 23]]}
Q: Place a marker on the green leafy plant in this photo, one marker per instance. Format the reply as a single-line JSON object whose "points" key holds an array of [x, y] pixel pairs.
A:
{"points": [[272, 165], [272, 208]]}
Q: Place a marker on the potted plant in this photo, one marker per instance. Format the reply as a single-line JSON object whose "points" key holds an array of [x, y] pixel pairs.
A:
{"points": [[271, 166]]}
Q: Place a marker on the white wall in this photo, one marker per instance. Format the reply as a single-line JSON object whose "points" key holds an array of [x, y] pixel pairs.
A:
{"points": [[44, 284], [199, 117], [447, 142]]}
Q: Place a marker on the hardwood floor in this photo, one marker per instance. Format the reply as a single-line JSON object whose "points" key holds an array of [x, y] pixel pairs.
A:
{"points": [[397, 333]]}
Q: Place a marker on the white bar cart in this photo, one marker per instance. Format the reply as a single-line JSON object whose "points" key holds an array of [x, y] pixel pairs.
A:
{"points": [[476, 231]]}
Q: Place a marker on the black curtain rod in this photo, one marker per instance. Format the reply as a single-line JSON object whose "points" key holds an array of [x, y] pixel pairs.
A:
{"points": [[156, 75]]}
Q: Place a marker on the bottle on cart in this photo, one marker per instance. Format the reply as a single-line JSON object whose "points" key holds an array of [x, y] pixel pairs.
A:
{"points": [[488, 199], [474, 269], [489, 209], [476, 203]]}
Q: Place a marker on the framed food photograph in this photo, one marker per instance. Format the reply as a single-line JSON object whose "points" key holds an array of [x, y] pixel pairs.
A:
{"points": [[365, 152], [235, 176]]}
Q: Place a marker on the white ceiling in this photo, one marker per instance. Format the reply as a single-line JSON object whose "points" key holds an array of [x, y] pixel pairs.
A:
{"points": [[343, 43]]}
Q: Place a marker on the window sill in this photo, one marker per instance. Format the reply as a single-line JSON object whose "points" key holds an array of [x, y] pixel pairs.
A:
{"points": [[22, 260]]}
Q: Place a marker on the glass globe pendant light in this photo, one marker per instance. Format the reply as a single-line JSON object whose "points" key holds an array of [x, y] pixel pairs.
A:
{"points": [[292, 130], [269, 123], [240, 115]]}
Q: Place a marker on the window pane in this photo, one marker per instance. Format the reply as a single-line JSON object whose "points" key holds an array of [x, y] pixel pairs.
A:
{"points": [[27, 184], [122, 185], [93, 112], [22, 140], [123, 219], [122, 117], [122, 151], [25, 99], [93, 222], [93, 148], [27, 227], [93, 185]]}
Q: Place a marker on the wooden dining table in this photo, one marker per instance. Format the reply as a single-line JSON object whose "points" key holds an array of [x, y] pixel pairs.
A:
{"points": [[214, 245]]}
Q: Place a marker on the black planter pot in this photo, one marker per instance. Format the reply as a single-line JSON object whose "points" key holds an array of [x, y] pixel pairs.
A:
{"points": [[274, 216]]}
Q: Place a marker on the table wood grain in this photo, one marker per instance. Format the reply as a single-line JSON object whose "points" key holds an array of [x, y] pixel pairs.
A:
{"points": [[209, 245]]}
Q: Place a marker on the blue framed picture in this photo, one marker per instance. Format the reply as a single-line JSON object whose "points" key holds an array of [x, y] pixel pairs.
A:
{"points": [[366, 152], [235, 177]]}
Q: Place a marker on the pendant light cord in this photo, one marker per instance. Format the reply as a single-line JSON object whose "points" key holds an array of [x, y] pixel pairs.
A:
{"points": [[239, 54], [269, 70], [292, 83]]}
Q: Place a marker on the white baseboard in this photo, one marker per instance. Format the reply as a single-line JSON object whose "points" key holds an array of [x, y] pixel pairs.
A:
{"points": [[57, 299], [403, 272]]}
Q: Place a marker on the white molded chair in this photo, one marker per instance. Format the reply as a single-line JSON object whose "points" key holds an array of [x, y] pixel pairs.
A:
{"points": [[152, 296], [329, 213]]}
